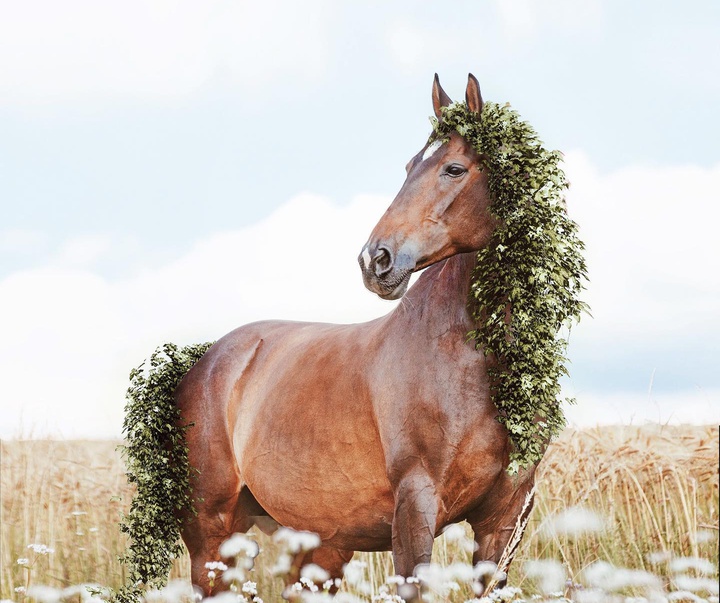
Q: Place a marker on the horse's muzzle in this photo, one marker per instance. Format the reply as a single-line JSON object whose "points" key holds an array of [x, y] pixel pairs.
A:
{"points": [[385, 273]]}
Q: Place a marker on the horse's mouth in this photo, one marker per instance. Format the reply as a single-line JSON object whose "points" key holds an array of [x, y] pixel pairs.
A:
{"points": [[399, 289]]}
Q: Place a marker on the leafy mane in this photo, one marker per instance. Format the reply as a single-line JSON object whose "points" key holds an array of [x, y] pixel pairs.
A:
{"points": [[526, 283]]}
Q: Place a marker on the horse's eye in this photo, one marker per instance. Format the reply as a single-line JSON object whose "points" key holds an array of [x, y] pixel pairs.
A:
{"points": [[455, 170]]}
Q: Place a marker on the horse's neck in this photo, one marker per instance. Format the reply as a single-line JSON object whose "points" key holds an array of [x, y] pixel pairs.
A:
{"points": [[440, 296]]}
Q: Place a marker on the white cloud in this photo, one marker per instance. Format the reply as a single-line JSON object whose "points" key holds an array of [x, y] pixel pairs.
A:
{"points": [[81, 50], [652, 249], [82, 252], [70, 336], [21, 241], [695, 407]]}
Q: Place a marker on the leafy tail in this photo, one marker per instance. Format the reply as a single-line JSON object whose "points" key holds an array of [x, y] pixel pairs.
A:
{"points": [[156, 458]]}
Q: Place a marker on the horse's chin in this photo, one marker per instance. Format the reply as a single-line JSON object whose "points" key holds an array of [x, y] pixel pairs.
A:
{"points": [[398, 291]]}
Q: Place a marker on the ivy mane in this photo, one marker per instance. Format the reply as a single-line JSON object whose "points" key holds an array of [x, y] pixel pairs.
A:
{"points": [[526, 283]]}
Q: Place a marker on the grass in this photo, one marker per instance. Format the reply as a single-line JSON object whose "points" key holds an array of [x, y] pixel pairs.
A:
{"points": [[655, 486]]}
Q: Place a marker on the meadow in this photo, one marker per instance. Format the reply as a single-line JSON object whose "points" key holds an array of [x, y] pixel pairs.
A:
{"points": [[654, 487]]}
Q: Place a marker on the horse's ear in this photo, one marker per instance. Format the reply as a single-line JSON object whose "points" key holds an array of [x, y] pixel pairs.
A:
{"points": [[472, 94], [440, 99]]}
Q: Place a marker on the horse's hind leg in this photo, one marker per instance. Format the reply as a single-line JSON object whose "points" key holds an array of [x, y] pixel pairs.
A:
{"points": [[203, 535], [215, 488]]}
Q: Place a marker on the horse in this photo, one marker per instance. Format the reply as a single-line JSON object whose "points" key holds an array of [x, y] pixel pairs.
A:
{"points": [[375, 436]]}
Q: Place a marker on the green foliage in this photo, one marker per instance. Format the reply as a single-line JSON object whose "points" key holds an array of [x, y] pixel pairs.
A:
{"points": [[527, 281], [156, 457]]}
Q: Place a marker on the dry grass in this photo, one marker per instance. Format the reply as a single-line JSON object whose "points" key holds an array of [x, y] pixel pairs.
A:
{"points": [[657, 486]]}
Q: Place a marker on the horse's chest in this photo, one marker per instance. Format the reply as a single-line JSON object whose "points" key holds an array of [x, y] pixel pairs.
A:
{"points": [[441, 421]]}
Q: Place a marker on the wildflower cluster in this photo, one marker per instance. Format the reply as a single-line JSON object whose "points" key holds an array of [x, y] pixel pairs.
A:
{"points": [[532, 267], [690, 579]]}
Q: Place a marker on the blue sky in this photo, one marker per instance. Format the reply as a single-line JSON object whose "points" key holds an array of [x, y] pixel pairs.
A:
{"points": [[166, 167]]}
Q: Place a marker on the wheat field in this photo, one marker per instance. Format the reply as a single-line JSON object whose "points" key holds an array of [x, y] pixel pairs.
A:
{"points": [[656, 487]]}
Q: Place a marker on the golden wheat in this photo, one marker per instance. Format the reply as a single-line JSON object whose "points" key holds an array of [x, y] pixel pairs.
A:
{"points": [[656, 486]]}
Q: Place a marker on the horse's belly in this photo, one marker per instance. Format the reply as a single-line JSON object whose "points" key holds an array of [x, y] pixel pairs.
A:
{"points": [[307, 447], [337, 493]]}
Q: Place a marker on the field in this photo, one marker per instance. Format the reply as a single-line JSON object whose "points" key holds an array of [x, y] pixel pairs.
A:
{"points": [[656, 488]]}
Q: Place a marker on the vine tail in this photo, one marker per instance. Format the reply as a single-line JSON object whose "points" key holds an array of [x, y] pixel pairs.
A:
{"points": [[156, 458]]}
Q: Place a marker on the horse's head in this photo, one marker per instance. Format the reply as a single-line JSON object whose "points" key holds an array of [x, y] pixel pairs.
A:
{"points": [[442, 209]]}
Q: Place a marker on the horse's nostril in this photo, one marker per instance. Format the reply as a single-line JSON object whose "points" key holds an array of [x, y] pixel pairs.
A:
{"points": [[382, 262]]}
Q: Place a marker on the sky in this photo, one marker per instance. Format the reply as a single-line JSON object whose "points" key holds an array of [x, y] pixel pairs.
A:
{"points": [[170, 170]]}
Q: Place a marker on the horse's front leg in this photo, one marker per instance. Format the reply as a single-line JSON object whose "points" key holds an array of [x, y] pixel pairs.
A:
{"points": [[413, 528]]}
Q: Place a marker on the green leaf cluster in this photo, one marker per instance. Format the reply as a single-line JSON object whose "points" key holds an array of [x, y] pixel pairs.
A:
{"points": [[527, 281], [156, 458]]}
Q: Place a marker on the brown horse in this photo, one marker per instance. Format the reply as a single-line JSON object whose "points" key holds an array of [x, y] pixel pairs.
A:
{"points": [[378, 435]]}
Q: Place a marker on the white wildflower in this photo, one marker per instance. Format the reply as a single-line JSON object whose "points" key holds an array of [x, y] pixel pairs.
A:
{"points": [[395, 580], [572, 523], [20, 589], [153, 595], [610, 578], [508, 593], [484, 569], [23, 561], [44, 594], [216, 565], [250, 588], [659, 557], [178, 590], [697, 584], [239, 544], [549, 573], [454, 532], [211, 575], [683, 564], [41, 549], [296, 541], [437, 578], [354, 572], [93, 530], [283, 564], [316, 597], [224, 597], [702, 536], [314, 573], [684, 595], [347, 598], [591, 595], [462, 572], [234, 574], [386, 597], [309, 584]]}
